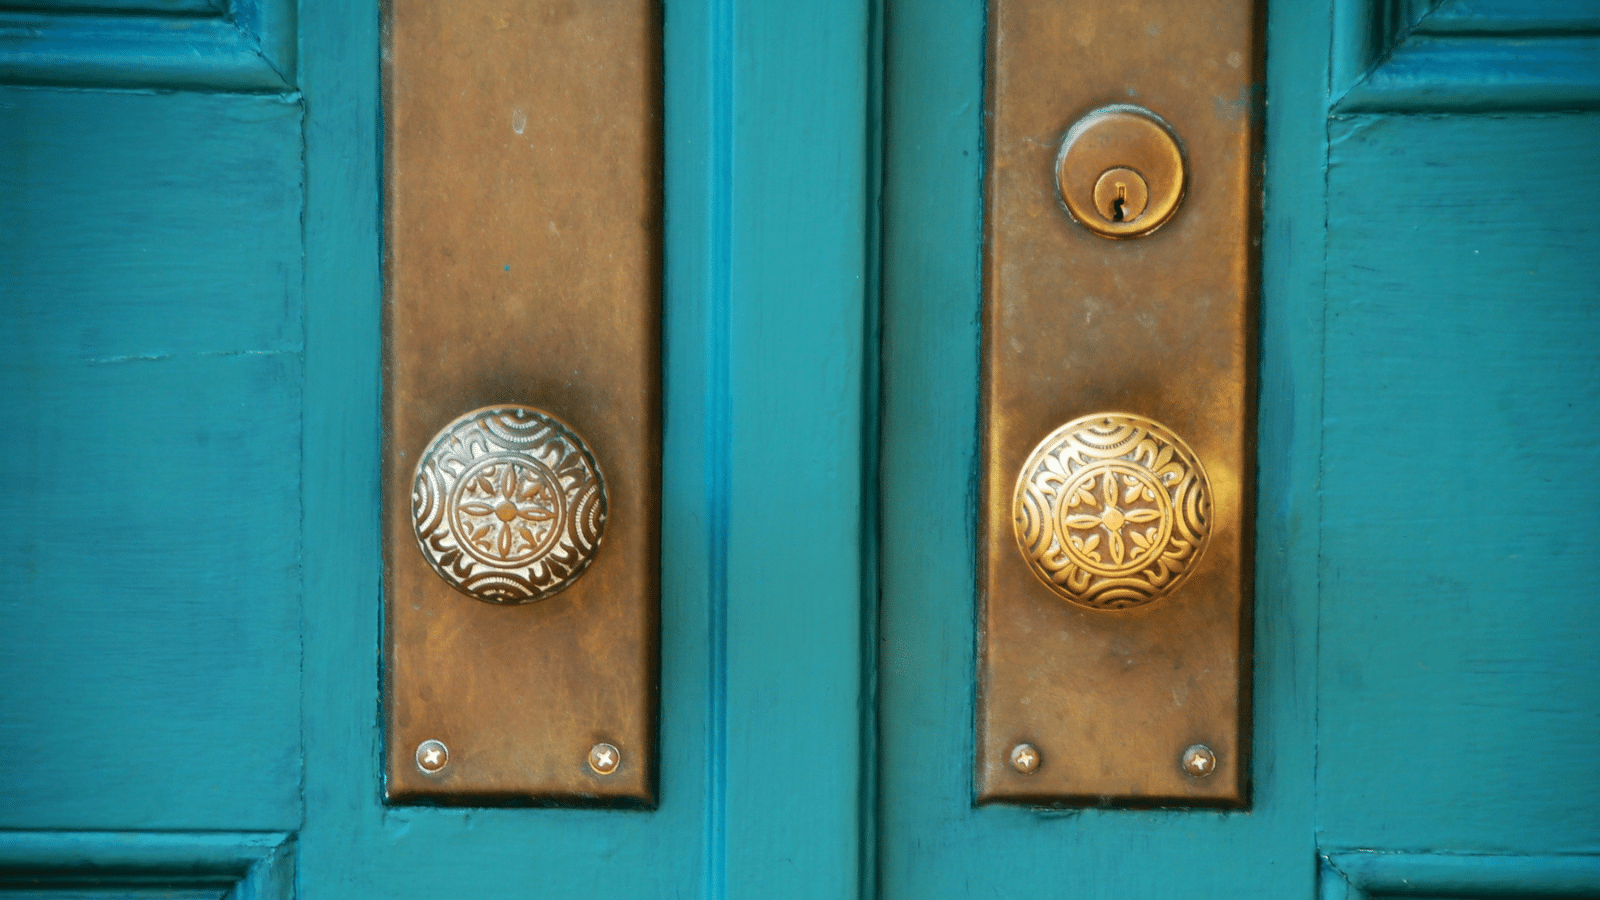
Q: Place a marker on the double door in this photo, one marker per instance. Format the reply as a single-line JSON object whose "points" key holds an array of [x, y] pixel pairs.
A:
{"points": [[192, 297]]}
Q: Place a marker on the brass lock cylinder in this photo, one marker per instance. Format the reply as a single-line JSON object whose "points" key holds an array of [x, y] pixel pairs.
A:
{"points": [[1121, 172]]}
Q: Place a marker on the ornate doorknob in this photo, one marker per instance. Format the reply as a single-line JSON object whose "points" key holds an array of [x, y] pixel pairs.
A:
{"points": [[1112, 511], [509, 504]]}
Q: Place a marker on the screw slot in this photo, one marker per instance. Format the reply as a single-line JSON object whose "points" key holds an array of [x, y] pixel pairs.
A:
{"points": [[604, 758], [432, 757], [1025, 758], [1199, 760]]}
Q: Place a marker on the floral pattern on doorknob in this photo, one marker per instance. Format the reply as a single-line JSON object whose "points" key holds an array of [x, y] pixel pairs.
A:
{"points": [[508, 511], [509, 504], [1111, 520], [1112, 511]]}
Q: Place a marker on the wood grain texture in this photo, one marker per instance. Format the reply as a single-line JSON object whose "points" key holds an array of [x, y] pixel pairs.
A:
{"points": [[151, 394], [933, 843], [1458, 682]]}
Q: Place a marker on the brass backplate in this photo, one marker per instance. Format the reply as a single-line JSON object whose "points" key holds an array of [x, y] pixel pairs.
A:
{"points": [[1158, 327], [523, 268]]}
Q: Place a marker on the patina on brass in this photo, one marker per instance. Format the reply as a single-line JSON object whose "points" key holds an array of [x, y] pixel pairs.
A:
{"points": [[1160, 330], [522, 272], [1112, 511]]}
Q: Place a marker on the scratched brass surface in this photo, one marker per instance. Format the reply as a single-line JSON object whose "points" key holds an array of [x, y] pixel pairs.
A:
{"points": [[1159, 326], [522, 268]]}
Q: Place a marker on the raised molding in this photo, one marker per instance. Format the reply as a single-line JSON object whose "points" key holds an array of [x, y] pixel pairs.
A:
{"points": [[249, 47], [240, 865], [137, 7], [1464, 56], [1372, 875]]}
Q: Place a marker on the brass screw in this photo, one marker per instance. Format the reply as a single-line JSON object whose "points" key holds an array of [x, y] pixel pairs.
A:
{"points": [[1025, 758], [1199, 761], [432, 757], [604, 759]]}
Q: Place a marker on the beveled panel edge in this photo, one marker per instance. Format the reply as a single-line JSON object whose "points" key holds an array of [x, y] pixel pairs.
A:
{"points": [[1362, 874], [1392, 56], [255, 864], [251, 50]]}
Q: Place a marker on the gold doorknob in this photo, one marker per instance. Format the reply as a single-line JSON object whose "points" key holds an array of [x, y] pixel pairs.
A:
{"points": [[509, 504], [1112, 511]]}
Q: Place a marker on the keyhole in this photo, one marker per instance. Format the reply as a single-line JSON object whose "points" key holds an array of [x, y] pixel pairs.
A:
{"points": [[1120, 196]]}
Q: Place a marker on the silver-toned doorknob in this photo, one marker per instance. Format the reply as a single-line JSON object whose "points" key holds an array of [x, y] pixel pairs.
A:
{"points": [[1112, 511], [509, 504]]}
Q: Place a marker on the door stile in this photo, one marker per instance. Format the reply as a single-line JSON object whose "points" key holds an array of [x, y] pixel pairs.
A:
{"points": [[797, 700], [338, 49]]}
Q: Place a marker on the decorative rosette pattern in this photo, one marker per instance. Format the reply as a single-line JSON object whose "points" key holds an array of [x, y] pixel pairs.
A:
{"points": [[509, 504], [1112, 511]]}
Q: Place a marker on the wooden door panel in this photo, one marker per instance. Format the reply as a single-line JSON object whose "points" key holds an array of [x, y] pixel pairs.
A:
{"points": [[150, 394], [1462, 405], [763, 701]]}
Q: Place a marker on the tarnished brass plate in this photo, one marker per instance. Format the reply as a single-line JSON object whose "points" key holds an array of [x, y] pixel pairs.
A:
{"points": [[1114, 672], [522, 302]]}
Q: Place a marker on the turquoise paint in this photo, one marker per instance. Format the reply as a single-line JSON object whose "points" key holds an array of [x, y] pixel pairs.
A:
{"points": [[150, 390], [351, 845], [797, 306], [240, 45], [1459, 610], [1363, 875], [201, 270], [64, 865], [762, 686], [1337, 710], [1465, 55]]}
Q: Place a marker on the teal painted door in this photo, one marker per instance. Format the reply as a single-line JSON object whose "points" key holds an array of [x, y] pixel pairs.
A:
{"points": [[1426, 596], [189, 286]]}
